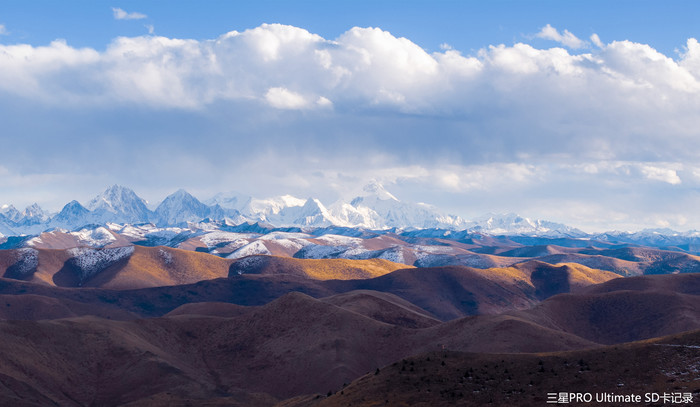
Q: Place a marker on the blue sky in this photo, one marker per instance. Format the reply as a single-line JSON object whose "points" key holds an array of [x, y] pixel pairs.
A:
{"points": [[466, 25], [578, 112]]}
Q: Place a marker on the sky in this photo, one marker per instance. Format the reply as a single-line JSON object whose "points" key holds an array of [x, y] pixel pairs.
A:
{"points": [[585, 113]]}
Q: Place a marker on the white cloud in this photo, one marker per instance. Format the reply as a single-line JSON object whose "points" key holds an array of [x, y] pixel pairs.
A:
{"points": [[506, 121], [368, 67], [619, 102], [283, 98], [567, 38], [667, 175], [324, 102], [595, 39], [3, 30], [120, 14]]}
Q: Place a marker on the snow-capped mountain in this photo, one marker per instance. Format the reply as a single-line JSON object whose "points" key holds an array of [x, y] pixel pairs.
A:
{"points": [[380, 209], [230, 200], [265, 209], [73, 215], [514, 224], [372, 208], [689, 240], [32, 220], [34, 214], [179, 208], [312, 213], [119, 204], [351, 216], [10, 213]]}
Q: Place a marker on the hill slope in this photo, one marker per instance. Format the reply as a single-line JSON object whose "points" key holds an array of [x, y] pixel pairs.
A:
{"points": [[663, 365]]}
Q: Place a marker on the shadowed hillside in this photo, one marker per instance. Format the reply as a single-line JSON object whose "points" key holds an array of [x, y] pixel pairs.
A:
{"points": [[664, 365], [287, 344]]}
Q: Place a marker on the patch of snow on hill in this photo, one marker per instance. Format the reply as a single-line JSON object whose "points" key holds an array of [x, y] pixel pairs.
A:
{"points": [[248, 263], [256, 247], [358, 253], [147, 231], [98, 237], [27, 260], [321, 252], [292, 245], [167, 256], [34, 241], [285, 235], [394, 254], [89, 261], [338, 240], [217, 238], [419, 249], [293, 242]]}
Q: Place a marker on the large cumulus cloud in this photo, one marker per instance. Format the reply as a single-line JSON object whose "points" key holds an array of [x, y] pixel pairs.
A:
{"points": [[588, 102], [361, 105]]}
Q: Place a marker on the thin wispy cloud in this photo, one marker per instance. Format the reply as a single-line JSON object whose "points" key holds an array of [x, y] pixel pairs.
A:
{"points": [[595, 39], [566, 38], [3, 30], [120, 14]]}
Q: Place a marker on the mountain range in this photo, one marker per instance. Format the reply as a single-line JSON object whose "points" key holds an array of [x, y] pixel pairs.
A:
{"points": [[373, 208]]}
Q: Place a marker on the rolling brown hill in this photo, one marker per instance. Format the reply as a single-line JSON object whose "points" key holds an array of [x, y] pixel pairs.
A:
{"points": [[621, 267], [383, 307], [294, 345], [679, 283], [125, 267], [445, 293], [619, 316], [60, 240], [453, 292], [133, 267], [446, 378], [35, 307], [211, 309], [550, 279], [325, 269]]}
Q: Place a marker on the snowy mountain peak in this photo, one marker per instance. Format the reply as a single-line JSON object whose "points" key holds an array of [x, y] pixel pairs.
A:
{"points": [[377, 190], [229, 200], [179, 208], [513, 224], [119, 204], [262, 209], [180, 197], [10, 212], [312, 213], [181, 194], [313, 203], [34, 211], [116, 199], [72, 215]]}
